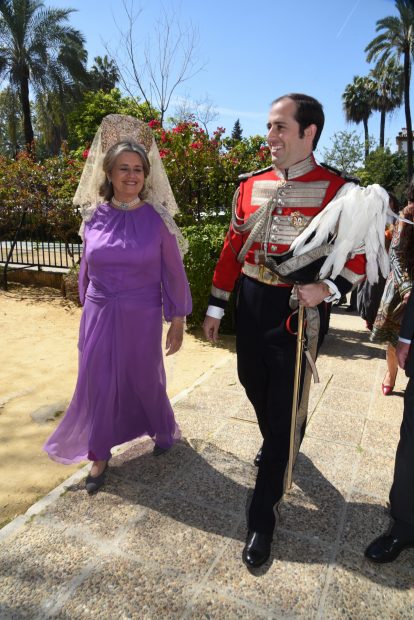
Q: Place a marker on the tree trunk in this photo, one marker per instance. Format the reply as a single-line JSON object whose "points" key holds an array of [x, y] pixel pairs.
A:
{"points": [[27, 120], [408, 114], [365, 121], [382, 130]]}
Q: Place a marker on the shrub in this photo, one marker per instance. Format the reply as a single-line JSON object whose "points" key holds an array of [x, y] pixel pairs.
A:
{"points": [[205, 242], [44, 190], [203, 170]]}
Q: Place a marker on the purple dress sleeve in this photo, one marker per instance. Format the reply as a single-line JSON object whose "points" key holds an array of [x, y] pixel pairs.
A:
{"points": [[175, 289], [83, 279]]}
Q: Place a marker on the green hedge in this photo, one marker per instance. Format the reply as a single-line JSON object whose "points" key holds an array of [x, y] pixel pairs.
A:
{"points": [[205, 241]]}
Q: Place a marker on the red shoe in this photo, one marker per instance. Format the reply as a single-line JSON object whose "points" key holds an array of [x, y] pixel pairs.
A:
{"points": [[387, 389]]}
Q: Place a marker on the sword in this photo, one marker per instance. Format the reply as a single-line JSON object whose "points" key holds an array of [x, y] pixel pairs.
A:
{"points": [[300, 341]]}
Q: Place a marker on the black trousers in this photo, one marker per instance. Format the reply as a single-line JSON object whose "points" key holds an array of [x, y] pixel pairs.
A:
{"points": [[266, 354], [402, 490]]}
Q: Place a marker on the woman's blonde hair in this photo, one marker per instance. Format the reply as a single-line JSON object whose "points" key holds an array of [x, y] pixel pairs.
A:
{"points": [[106, 189]]}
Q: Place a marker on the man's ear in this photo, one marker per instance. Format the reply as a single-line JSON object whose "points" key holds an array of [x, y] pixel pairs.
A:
{"points": [[310, 131]]}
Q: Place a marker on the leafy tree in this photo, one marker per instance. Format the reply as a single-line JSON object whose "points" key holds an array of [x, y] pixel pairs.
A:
{"points": [[104, 74], [388, 79], [396, 40], [358, 98], [52, 109], [237, 131], [11, 123], [45, 191], [37, 47], [346, 153], [86, 117], [386, 168]]}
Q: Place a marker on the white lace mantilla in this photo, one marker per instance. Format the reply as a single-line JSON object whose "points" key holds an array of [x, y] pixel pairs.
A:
{"points": [[115, 128]]}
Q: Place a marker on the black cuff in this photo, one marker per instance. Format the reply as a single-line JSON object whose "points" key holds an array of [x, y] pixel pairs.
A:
{"points": [[216, 301], [344, 285]]}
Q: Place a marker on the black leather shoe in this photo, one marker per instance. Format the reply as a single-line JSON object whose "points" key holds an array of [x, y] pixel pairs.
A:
{"points": [[157, 450], [386, 548], [94, 483], [257, 549], [258, 458]]}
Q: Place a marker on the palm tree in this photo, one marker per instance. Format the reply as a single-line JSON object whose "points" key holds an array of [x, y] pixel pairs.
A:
{"points": [[388, 79], [104, 74], [396, 40], [358, 98], [11, 123], [38, 48]]}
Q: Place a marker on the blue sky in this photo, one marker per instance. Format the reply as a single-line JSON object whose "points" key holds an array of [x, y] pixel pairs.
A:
{"points": [[253, 52]]}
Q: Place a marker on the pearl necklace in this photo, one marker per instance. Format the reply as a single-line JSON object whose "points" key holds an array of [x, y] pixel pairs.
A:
{"points": [[125, 206]]}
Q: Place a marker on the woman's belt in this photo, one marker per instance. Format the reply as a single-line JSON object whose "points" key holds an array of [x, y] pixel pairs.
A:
{"points": [[264, 275], [148, 294]]}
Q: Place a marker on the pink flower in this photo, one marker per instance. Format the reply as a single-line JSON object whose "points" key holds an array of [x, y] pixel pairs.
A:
{"points": [[154, 123]]}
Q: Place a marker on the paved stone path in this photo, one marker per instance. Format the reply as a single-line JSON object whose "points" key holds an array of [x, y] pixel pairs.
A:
{"points": [[164, 539]]}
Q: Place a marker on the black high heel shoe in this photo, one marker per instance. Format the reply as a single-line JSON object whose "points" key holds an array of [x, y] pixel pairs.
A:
{"points": [[94, 483], [158, 451]]}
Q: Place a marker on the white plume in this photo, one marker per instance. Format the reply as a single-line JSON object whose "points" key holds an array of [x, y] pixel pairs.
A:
{"points": [[357, 218]]}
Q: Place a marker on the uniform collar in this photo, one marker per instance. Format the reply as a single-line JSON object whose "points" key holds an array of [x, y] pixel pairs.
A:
{"points": [[299, 169]]}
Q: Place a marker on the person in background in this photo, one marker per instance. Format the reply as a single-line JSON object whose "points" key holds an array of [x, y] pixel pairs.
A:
{"points": [[396, 292], [400, 534], [369, 295], [131, 273]]}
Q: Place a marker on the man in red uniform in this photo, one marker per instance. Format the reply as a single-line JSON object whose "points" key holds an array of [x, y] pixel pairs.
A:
{"points": [[272, 207]]}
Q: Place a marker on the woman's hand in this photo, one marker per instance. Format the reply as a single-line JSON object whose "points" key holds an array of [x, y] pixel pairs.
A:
{"points": [[175, 335]]}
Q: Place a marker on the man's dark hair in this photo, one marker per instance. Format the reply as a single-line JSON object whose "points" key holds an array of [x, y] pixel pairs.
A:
{"points": [[308, 112]]}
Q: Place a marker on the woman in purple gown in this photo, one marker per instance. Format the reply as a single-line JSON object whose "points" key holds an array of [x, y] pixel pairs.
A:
{"points": [[131, 273]]}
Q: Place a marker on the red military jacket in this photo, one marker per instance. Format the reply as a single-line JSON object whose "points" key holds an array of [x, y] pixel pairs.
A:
{"points": [[297, 195]]}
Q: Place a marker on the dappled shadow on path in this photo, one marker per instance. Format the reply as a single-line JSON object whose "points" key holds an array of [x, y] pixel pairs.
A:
{"points": [[206, 488]]}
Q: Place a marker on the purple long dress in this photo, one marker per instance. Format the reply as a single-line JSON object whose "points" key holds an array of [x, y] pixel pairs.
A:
{"points": [[131, 271]]}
